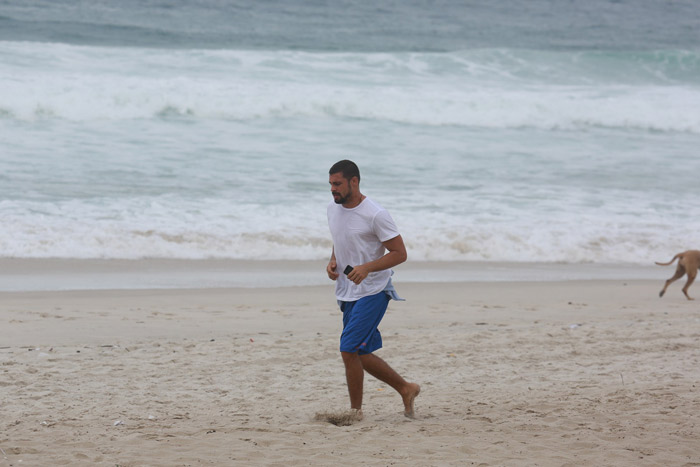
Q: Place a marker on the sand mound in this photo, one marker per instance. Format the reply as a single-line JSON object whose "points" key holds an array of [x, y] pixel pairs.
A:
{"points": [[342, 418]]}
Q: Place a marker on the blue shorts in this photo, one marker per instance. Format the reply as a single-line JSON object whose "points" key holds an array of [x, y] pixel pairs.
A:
{"points": [[360, 321]]}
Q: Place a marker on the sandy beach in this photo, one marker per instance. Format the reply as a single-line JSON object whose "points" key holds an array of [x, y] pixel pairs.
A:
{"points": [[547, 373]]}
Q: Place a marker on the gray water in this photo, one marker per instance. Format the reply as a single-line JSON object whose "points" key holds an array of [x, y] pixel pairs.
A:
{"points": [[509, 131]]}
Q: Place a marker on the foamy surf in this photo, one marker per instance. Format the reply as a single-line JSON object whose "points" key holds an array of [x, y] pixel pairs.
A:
{"points": [[120, 143]]}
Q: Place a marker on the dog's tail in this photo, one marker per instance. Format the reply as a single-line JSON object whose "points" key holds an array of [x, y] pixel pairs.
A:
{"points": [[670, 262]]}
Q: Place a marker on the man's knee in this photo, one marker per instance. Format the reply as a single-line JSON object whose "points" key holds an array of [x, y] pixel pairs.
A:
{"points": [[349, 357], [366, 357]]}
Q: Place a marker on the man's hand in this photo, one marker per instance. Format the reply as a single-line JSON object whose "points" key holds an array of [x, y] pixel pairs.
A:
{"points": [[358, 274], [330, 270], [396, 255]]}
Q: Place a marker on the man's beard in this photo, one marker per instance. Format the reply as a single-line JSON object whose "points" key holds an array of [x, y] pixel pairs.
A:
{"points": [[342, 199]]}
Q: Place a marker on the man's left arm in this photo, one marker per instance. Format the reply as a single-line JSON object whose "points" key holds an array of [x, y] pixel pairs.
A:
{"points": [[396, 254]]}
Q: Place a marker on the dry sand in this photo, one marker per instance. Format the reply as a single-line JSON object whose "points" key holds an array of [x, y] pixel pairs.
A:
{"points": [[544, 373]]}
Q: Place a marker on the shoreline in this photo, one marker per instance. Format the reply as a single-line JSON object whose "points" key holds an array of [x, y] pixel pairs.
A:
{"points": [[110, 274], [48, 318]]}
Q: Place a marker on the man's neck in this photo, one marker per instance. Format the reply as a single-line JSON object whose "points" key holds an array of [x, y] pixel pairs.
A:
{"points": [[354, 202]]}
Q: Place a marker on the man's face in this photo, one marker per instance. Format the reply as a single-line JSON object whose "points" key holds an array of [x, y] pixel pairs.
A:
{"points": [[340, 188]]}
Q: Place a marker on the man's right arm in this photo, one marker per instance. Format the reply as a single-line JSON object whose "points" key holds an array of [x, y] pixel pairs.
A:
{"points": [[332, 266]]}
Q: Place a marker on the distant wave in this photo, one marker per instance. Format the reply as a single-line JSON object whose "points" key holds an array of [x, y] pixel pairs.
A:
{"points": [[355, 25], [664, 109], [95, 34], [489, 88]]}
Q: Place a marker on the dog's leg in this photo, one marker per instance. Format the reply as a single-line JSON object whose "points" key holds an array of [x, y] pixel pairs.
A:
{"points": [[680, 271], [691, 278]]}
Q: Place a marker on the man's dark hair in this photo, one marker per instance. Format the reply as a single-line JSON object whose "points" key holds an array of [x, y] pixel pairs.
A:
{"points": [[348, 168]]}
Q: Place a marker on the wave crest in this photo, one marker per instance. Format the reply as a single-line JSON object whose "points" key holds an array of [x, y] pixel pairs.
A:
{"points": [[480, 89]]}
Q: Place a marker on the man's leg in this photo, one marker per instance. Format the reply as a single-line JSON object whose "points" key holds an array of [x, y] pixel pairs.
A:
{"points": [[360, 321], [354, 375], [381, 370]]}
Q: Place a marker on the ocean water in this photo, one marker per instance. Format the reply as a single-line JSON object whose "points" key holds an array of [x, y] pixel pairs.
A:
{"points": [[529, 131]]}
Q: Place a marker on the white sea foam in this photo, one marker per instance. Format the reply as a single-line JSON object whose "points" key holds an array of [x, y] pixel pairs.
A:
{"points": [[470, 244], [480, 89], [166, 230], [496, 155]]}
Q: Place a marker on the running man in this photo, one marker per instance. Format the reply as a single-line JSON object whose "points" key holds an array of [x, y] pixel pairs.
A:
{"points": [[365, 239]]}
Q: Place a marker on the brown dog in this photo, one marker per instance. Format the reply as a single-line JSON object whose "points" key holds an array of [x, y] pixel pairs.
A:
{"points": [[688, 263]]}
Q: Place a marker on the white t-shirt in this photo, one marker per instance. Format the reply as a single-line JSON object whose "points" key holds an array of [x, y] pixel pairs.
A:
{"points": [[358, 234]]}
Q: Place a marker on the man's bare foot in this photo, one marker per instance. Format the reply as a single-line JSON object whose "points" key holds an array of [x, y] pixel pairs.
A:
{"points": [[342, 418], [408, 397], [356, 415]]}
